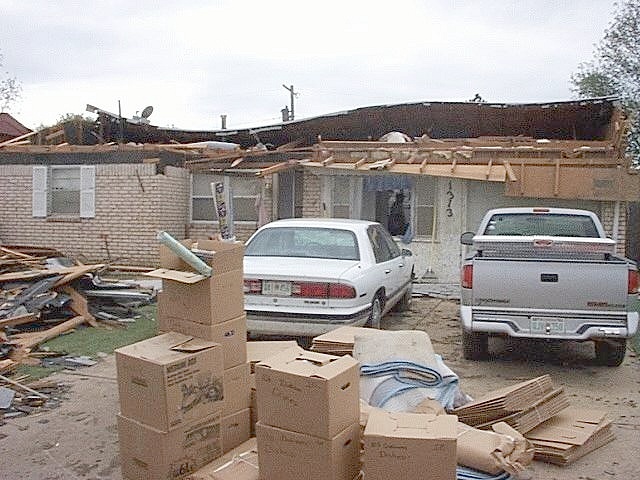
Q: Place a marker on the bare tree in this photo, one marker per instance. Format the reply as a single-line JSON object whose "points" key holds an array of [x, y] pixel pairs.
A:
{"points": [[10, 89]]}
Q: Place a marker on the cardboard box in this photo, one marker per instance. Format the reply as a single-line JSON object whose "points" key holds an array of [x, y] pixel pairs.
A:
{"points": [[308, 392], [259, 351], [240, 463], [237, 389], [232, 335], [236, 429], [286, 455], [170, 379], [209, 301], [410, 445], [149, 453], [571, 434]]}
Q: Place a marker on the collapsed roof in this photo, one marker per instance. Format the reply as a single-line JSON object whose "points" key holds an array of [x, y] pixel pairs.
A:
{"points": [[589, 119]]}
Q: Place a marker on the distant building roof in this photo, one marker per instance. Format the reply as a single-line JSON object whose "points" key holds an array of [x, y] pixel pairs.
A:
{"points": [[10, 127]]}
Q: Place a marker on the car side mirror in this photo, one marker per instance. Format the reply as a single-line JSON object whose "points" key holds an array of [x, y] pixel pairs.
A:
{"points": [[467, 238], [406, 252]]}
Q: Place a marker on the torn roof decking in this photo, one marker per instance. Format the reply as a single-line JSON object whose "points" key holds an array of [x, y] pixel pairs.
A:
{"points": [[589, 119]]}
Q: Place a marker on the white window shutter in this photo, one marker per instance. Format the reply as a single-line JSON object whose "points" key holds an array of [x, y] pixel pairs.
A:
{"points": [[39, 192], [87, 191]]}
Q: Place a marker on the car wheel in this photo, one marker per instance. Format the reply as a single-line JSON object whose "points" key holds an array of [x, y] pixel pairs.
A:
{"points": [[610, 353], [404, 303], [475, 346], [376, 312]]}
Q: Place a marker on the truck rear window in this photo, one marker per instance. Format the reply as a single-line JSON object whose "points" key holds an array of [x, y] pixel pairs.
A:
{"points": [[527, 224]]}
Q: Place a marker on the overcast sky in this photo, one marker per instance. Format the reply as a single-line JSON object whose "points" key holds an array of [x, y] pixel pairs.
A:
{"points": [[194, 60]]}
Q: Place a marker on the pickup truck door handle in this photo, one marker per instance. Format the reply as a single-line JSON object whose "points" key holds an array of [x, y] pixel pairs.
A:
{"points": [[387, 271], [549, 277]]}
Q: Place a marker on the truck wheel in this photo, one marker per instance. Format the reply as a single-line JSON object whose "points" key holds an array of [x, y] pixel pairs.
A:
{"points": [[475, 346], [610, 353]]}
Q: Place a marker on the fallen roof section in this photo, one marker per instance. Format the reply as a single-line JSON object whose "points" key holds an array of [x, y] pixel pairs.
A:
{"points": [[588, 119]]}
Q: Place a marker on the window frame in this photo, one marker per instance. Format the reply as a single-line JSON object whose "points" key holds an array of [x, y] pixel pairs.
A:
{"points": [[227, 180], [42, 185]]}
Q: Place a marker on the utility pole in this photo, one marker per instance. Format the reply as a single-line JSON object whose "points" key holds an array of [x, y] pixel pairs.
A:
{"points": [[292, 94]]}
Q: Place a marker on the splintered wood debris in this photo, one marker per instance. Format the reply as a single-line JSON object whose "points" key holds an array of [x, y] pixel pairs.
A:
{"points": [[44, 294]]}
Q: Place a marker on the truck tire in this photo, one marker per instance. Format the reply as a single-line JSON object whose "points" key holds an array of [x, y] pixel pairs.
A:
{"points": [[475, 346], [610, 353]]}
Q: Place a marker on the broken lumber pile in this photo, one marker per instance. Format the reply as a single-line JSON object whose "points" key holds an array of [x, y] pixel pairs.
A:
{"points": [[44, 294]]}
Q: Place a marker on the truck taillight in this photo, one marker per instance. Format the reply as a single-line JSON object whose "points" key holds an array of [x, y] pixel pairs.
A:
{"points": [[467, 276], [633, 281], [252, 286]]}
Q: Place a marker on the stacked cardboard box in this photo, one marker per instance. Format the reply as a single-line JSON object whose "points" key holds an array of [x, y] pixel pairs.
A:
{"points": [[212, 308], [308, 411], [171, 398], [410, 445], [257, 352]]}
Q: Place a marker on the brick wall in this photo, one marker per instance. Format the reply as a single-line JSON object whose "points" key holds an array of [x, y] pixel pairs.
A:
{"points": [[311, 198], [132, 203], [607, 218]]}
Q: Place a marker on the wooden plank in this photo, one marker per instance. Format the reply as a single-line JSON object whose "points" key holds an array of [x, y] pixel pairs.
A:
{"points": [[328, 161], [277, 168], [510, 173], [7, 365], [77, 272], [489, 165], [556, 180], [79, 305], [17, 139], [360, 162], [36, 339], [15, 253], [23, 387], [19, 320]]}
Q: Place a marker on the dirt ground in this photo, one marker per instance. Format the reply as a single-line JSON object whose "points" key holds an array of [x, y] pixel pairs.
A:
{"points": [[78, 440]]}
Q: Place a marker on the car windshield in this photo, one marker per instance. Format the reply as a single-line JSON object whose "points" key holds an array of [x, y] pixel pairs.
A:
{"points": [[557, 225], [305, 242]]}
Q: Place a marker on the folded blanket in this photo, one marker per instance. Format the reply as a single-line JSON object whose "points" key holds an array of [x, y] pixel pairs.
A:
{"points": [[399, 370]]}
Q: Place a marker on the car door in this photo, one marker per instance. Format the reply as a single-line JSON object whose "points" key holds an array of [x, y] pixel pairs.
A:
{"points": [[400, 267], [386, 266]]}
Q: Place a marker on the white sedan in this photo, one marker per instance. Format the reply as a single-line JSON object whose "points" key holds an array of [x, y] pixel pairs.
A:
{"points": [[307, 276]]}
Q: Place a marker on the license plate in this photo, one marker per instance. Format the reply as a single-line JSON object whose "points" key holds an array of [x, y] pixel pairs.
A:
{"points": [[547, 326], [275, 288]]}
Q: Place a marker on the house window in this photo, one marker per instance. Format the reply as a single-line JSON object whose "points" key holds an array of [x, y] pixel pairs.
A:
{"points": [[425, 189], [244, 191], [63, 191]]}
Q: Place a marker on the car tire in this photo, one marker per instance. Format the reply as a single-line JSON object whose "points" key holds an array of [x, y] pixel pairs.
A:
{"points": [[475, 346], [376, 312], [404, 304], [610, 353]]}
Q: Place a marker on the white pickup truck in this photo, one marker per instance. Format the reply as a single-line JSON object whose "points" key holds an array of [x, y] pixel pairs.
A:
{"points": [[547, 273]]}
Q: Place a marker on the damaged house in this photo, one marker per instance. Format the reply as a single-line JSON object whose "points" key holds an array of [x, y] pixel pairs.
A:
{"points": [[427, 171]]}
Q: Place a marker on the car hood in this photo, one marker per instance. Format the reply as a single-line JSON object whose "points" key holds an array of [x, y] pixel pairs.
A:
{"points": [[311, 268]]}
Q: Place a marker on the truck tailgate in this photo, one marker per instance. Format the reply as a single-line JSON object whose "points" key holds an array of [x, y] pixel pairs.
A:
{"points": [[550, 284]]}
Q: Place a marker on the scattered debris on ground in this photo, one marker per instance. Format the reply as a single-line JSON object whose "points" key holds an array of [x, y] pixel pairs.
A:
{"points": [[44, 294]]}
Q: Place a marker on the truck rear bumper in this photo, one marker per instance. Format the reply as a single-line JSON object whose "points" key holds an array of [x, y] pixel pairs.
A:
{"points": [[560, 326]]}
